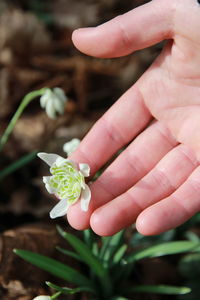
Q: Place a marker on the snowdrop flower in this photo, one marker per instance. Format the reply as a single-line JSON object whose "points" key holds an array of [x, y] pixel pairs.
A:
{"points": [[67, 183], [42, 298], [71, 146], [53, 100]]}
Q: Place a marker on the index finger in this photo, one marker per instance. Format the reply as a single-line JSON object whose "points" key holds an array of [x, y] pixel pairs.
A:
{"points": [[117, 127], [139, 28]]}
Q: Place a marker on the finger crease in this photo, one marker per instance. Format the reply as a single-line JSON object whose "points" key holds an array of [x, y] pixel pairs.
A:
{"points": [[107, 190], [139, 206], [165, 133], [135, 163], [163, 180], [190, 157], [86, 160], [125, 38], [177, 200], [117, 138]]}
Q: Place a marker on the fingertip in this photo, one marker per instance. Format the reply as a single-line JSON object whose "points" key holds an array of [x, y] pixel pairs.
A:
{"points": [[76, 34], [99, 226], [84, 39], [78, 219], [146, 225]]}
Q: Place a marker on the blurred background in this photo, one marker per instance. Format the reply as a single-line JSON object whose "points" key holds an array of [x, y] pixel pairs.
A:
{"points": [[36, 51]]}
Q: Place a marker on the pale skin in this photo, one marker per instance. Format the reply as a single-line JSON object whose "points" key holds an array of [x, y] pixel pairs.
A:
{"points": [[155, 182]]}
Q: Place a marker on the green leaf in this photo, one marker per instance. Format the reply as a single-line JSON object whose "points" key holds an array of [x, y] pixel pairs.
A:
{"points": [[105, 244], [110, 245], [164, 249], [69, 253], [142, 240], [119, 254], [160, 289], [68, 291], [189, 265], [119, 298], [190, 235], [84, 251], [17, 164], [95, 249], [54, 267], [87, 256], [88, 237]]}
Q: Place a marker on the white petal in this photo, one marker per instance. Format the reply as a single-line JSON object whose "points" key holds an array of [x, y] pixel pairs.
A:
{"points": [[48, 158], [61, 160], [58, 105], [71, 146], [50, 110], [42, 298], [46, 180], [85, 198], [85, 169], [60, 209], [45, 97], [60, 94], [43, 101]]}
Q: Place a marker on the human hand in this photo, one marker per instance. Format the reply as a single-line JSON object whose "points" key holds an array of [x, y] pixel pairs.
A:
{"points": [[156, 180]]}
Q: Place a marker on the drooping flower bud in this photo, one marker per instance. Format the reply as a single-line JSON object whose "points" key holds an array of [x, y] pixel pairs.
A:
{"points": [[53, 100]]}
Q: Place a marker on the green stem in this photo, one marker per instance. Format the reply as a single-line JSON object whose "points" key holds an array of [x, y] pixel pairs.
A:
{"points": [[56, 295], [25, 101]]}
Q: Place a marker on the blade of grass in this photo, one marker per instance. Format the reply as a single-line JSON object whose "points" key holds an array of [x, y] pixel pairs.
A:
{"points": [[119, 254], [84, 251], [69, 253], [110, 245], [164, 249], [87, 256], [105, 244], [88, 236], [160, 289], [68, 291], [119, 298], [95, 249], [17, 164], [54, 267]]}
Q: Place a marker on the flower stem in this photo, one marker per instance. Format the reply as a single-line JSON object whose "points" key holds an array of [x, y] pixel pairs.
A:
{"points": [[56, 295], [25, 101]]}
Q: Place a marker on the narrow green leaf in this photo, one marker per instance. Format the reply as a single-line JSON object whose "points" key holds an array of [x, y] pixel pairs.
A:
{"points": [[110, 245], [164, 249], [54, 267], [68, 291], [95, 249], [17, 164], [119, 254], [105, 244], [89, 237], [87, 256], [189, 235], [189, 266], [119, 298], [69, 253], [84, 251], [160, 289]]}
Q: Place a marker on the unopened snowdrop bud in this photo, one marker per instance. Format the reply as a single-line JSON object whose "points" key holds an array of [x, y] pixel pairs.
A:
{"points": [[67, 182], [53, 100], [71, 146], [42, 297]]}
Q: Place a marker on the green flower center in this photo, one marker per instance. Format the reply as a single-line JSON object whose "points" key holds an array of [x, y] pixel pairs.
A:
{"points": [[67, 181]]}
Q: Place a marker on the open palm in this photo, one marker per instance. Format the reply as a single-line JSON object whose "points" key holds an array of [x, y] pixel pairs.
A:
{"points": [[156, 180]]}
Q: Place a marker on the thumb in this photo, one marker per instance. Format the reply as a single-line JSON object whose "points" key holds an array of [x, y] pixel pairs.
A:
{"points": [[139, 28]]}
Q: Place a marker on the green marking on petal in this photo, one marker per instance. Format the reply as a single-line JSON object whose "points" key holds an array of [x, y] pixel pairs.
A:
{"points": [[67, 181]]}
